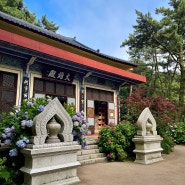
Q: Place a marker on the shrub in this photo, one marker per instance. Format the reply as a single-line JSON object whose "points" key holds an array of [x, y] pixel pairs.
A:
{"points": [[163, 111], [80, 129], [167, 143], [4, 173], [177, 132], [16, 129], [116, 140]]}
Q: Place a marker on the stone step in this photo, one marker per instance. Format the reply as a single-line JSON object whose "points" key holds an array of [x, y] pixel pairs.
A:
{"points": [[90, 156], [88, 147], [93, 161], [86, 152], [92, 141]]}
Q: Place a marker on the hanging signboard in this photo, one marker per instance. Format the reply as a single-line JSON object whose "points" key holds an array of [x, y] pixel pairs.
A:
{"points": [[25, 88], [58, 74]]}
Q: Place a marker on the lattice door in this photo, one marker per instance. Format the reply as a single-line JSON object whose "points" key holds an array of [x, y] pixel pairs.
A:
{"points": [[8, 88]]}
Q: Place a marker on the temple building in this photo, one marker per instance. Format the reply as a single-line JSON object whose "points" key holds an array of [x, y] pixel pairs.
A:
{"points": [[35, 62]]}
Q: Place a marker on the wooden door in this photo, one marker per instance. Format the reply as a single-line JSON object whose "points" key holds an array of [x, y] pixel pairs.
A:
{"points": [[8, 91]]}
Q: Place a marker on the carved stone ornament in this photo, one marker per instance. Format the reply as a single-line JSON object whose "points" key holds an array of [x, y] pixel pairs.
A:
{"points": [[53, 129], [146, 123], [56, 110]]}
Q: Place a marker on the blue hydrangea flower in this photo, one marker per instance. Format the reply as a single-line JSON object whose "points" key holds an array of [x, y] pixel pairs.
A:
{"points": [[13, 152], [19, 113], [26, 115], [29, 123], [21, 144], [12, 129], [41, 108], [25, 140]]}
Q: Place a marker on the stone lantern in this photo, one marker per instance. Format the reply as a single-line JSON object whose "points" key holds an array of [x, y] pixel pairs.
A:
{"points": [[147, 142]]}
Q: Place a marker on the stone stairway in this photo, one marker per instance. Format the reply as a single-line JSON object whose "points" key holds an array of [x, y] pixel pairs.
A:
{"points": [[91, 154]]}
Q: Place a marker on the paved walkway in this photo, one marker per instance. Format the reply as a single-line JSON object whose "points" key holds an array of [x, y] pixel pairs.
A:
{"points": [[170, 171]]}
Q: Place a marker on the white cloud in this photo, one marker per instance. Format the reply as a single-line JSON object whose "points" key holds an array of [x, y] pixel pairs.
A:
{"points": [[99, 24]]}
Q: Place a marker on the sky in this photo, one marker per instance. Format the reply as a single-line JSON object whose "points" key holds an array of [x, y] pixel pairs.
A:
{"points": [[98, 24]]}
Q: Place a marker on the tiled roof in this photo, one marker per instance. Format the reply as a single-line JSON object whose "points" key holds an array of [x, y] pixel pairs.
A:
{"points": [[61, 38]]}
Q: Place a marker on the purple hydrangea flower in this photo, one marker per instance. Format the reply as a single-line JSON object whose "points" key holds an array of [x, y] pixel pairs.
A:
{"points": [[41, 108], [76, 123], [30, 104], [7, 130], [84, 126], [12, 129], [4, 136], [9, 134], [74, 133], [7, 141], [79, 119], [13, 152], [74, 118], [78, 114], [87, 124], [23, 123], [29, 123], [21, 144], [81, 130], [88, 132]]}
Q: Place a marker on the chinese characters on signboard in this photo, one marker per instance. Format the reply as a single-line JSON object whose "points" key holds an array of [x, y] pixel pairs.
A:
{"points": [[58, 74], [25, 88]]}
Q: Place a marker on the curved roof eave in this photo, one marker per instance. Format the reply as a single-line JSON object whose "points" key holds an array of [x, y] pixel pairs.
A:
{"points": [[66, 40]]}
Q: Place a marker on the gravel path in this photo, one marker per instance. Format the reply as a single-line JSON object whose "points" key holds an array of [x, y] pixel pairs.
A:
{"points": [[170, 171]]}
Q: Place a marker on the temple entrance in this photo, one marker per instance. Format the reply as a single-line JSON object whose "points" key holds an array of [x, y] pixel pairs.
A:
{"points": [[101, 110]]}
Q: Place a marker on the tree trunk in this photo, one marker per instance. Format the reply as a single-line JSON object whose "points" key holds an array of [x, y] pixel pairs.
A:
{"points": [[182, 79], [182, 88]]}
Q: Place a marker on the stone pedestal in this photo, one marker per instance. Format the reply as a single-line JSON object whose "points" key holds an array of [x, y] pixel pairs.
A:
{"points": [[147, 149], [147, 142], [51, 164], [51, 156]]}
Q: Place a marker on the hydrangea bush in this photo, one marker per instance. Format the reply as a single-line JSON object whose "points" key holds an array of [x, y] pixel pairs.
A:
{"points": [[116, 140], [80, 129], [177, 132], [15, 131]]}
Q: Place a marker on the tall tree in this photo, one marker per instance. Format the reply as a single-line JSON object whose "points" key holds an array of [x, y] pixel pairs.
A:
{"points": [[166, 36], [44, 23], [17, 9]]}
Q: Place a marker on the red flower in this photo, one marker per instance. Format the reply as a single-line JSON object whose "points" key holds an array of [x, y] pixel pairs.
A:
{"points": [[109, 141], [111, 124]]}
